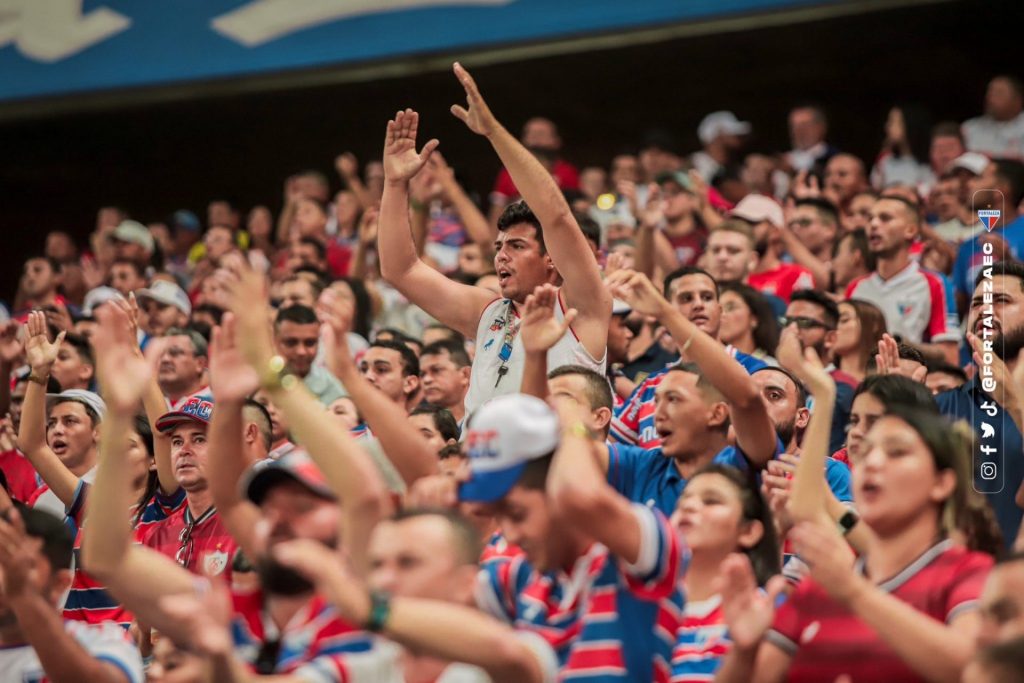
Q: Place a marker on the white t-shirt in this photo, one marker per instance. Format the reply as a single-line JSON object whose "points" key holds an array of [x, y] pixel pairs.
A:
{"points": [[106, 642], [383, 664], [995, 138]]}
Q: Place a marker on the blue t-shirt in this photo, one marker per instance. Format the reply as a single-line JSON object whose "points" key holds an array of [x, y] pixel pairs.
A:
{"points": [[969, 258]]}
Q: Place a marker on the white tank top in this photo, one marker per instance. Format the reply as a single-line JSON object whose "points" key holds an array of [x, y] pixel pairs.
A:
{"points": [[490, 337]]}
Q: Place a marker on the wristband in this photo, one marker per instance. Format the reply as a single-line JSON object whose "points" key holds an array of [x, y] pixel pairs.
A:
{"points": [[847, 522], [41, 380], [380, 610]]}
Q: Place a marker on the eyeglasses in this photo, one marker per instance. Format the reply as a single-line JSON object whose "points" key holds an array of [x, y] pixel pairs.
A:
{"points": [[803, 322], [187, 543]]}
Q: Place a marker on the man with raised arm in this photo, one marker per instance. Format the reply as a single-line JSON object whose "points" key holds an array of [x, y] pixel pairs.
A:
{"points": [[538, 242]]}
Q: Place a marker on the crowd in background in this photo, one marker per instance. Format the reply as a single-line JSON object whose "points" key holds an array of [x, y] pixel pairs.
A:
{"points": [[694, 415]]}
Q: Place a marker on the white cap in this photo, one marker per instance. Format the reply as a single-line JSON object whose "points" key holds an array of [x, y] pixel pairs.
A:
{"points": [[134, 232], [971, 161], [98, 296], [504, 435], [167, 293], [89, 398], [620, 307], [757, 208], [721, 123]]}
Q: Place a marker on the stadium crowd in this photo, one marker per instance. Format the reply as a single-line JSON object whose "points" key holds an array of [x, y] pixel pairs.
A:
{"points": [[726, 415]]}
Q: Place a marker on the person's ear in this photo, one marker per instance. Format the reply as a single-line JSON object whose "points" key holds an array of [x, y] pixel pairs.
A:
{"points": [[751, 534], [250, 433], [60, 582], [944, 486], [718, 414], [602, 418], [410, 384], [803, 417], [830, 339]]}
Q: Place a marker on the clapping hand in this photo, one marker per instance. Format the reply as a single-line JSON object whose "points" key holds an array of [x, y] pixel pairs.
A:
{"points": [[748, 611], [637, 290], [540, 329]]}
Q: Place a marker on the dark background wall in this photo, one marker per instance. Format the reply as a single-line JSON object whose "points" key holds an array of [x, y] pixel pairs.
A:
{"points": [[55, 171]]}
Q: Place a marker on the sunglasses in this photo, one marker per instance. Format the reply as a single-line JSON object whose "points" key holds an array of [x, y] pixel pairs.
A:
{"points": [[187, 543], [803, 323]]}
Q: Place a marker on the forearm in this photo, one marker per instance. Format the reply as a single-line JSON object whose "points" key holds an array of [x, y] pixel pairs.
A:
{"points": [[239, 516], [360, 267], [935, 651], [109, 501], [62, 658], [284, 222], [394, 242], [32, 442], [810, 489], [155, 405], [804, 257], [645, 251], [401, 442], [860, 537], [418, 220], [738, 666], [536, 185], [473, 220], [535, 375], [5, 387], [355, 184]]}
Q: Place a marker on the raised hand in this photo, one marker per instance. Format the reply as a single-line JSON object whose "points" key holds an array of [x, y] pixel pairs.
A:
{"points": [[614, 263], [346, 165], [478, 117], [653, 213], [887, 360], [232, 379], [123, 373], [436, 491], [205, 616], [805, 363], [335, 314], [40, 352], [805, 186], [401, 160], [247, 297], [638, 291], [540, 329], [59, 317], [829, 558], [748, 612], [368, 226], [11, 343]]}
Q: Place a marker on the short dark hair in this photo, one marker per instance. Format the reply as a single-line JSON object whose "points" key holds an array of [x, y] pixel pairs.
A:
{"points": [[81, 346], [947, 129], [410, 362], [465, 535], [942, 367], [257, 413], [1011, 172], [52, 262], [444, 421], [518, 213], [456, 351], [688, 270], [913, 210], [535, 474], [199, 344], [317, 286], [827, 211], [908, 352], [321, 249], [1005, 268], [814, 296], [801, 390], [216, 312], [599, 392], [897, 390], [859, 243], [591, 230], [298, 314], [57, 540], [139, 270]]}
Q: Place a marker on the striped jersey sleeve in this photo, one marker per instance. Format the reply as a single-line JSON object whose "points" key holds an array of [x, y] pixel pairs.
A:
{"points": [[662, 559]]}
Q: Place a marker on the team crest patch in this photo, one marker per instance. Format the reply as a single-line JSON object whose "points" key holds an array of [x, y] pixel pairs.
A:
{"points": [[497, 324], [214, 563], [989, 218]]}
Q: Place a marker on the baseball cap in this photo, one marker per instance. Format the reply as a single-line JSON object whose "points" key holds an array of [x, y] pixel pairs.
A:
{"points": [[167, 293], [678, 177], [620, 307], [198, 408], [89, 398], [98, 296], [184, 219], [296, 466], [134, 232], [504, 435], [721, 123], [970, 161], [757, 208]]}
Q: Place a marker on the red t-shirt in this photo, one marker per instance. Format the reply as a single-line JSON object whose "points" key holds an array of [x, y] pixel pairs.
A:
{"points": [[210, 550], [22, 481], [826, 641], [689, 247], [564, 173], [782, 281]]}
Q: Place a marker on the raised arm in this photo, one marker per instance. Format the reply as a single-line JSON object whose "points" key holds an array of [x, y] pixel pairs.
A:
{"points": [[347, 468], [438, 628], [755, 434], [457, 306], [562, 234], [12, 346], [473, 220], [540, 331], [134, 574], [231, 380], [41, 354], [403, 444], [348, 168]]}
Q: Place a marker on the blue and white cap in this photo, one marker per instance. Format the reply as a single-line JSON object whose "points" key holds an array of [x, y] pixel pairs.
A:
{"points": [[504, 435]]}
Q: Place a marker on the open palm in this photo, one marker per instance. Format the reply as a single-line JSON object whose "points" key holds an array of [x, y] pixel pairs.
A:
{"points": [[40, 352], [401, 160], [540, 329]]}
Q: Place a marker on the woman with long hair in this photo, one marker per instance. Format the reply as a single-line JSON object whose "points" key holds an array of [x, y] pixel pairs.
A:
{"points": [[906, 610], [861, 326], [748, 322], [720, 512]]}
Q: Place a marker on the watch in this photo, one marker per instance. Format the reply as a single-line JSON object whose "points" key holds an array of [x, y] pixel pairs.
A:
{"points": [[380, 610], [848, 521]]}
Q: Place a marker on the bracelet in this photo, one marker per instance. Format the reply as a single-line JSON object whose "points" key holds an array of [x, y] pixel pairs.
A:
{"points": [[689, 341], [380, 610], [41, 380], [847, 522]]}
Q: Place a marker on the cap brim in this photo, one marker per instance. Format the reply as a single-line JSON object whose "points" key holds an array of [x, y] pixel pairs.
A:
{"points": [[265, 478], [169, 421], [488, 487]]}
